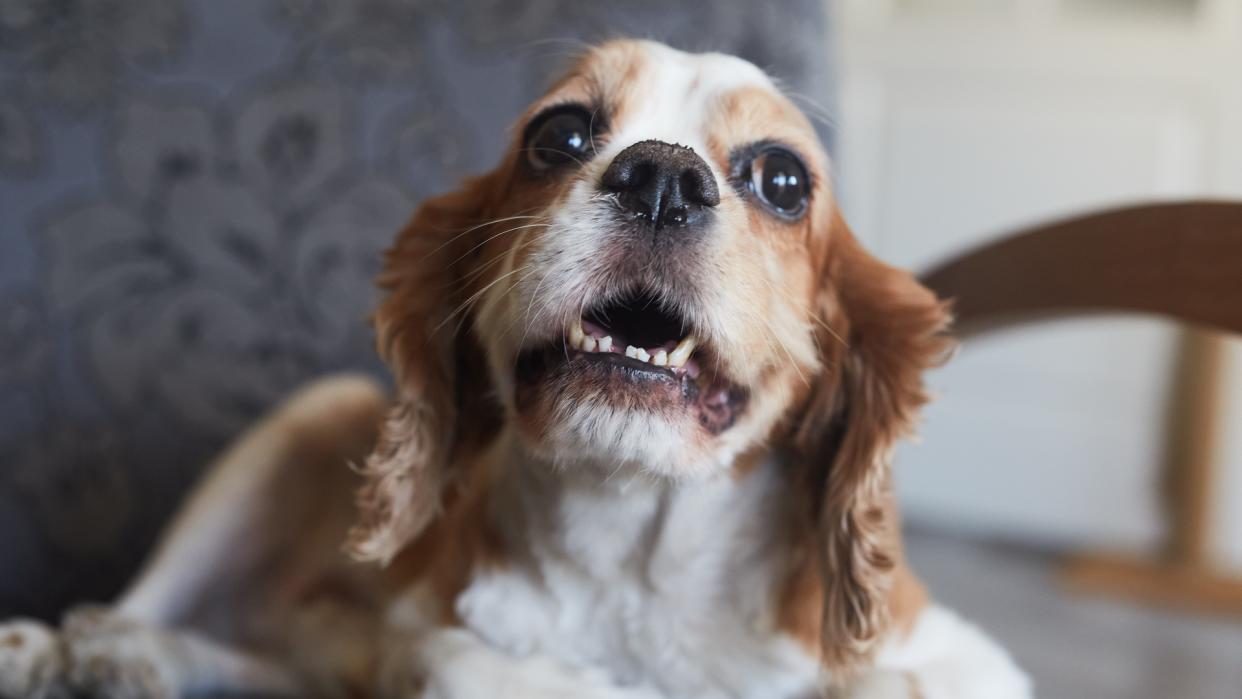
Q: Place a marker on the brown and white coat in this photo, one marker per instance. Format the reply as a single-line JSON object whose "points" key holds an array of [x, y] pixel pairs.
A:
{"points": [[569, 503]]}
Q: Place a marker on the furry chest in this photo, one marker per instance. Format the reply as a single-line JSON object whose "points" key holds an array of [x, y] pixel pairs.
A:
{"points": [[675, 642]]}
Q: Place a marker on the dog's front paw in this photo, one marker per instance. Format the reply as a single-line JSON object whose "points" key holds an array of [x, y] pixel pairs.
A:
{"points": [[110, 656], [32, 662]]}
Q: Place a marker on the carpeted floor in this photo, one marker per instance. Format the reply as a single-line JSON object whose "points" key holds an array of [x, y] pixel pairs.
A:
{"points": [[1074, 647]]}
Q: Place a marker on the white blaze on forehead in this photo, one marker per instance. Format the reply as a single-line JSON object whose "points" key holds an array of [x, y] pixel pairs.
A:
{"points": [[675, 95], [671, 99]]}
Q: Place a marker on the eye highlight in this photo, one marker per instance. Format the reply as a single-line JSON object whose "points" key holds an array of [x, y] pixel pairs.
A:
{"points": [[559, 136], [776, 177]]}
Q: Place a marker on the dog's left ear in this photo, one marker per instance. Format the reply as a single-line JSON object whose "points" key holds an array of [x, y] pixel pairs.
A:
{"points": [[879, 331], [442, 407]]}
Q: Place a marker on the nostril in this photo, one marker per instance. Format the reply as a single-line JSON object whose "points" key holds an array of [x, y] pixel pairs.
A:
{"points": [[699, 184], [641, 174], [616, 178], [699, 187], [689, 182], [627, 175]]}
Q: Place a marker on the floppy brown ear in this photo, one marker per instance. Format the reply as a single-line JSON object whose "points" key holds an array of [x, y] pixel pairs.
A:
{"points": [[439, 372], [880, 330]]}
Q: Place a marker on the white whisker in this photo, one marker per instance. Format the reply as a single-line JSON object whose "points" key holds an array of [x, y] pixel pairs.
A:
{"points": [[485, 224], [497, 235], [475, 296]]}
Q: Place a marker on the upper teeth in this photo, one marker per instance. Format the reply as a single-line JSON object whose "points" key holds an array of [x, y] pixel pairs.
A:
{"points": [[579, 339], [682, 351]]}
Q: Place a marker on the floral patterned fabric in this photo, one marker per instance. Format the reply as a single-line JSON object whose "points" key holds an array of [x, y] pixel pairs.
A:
{"points": [[193, 198]]}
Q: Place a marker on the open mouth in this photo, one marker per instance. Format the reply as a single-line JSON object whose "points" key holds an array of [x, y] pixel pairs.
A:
{"points": [[636, 327], [633, 352]]}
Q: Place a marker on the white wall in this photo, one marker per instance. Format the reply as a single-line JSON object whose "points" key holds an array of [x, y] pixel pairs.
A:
{"points": [[962, 119], [1228, 520]]}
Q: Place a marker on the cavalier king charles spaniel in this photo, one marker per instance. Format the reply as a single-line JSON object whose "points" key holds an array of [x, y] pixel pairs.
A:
{"points": [[648, 387]]}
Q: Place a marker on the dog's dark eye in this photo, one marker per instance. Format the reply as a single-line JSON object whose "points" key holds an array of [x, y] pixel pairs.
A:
{"points": [[558, 137], [779, 179]]}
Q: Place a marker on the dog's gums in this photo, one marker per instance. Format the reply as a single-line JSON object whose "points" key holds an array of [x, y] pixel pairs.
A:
{"points": [[587, 337]]}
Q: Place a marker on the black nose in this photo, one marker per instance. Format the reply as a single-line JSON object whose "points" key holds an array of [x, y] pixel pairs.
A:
{"points": [[663, 184]]}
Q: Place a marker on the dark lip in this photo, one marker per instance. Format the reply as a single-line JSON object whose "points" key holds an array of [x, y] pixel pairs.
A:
{"points": [[558, 356], [636, 368], [546, 372]]}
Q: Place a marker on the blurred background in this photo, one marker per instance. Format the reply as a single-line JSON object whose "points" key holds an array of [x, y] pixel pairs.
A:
{"points": [[1063, 443], [193, 194]]}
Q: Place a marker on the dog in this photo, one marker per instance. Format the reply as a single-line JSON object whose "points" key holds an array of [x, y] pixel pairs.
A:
{"points": [[648, 387]]}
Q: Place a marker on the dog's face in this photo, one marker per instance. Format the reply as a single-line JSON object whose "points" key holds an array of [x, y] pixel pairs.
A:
{"points": [[646, 297], [656, 278]]}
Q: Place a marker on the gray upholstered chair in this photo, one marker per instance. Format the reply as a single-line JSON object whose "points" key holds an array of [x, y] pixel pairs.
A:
{"points": [[193, 195]]}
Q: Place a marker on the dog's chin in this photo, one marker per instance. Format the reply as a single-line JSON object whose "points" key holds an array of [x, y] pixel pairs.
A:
{"points": [[597, 430]]}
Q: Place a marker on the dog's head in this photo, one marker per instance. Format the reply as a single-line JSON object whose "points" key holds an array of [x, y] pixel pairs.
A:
{"points": [[655, 278]]}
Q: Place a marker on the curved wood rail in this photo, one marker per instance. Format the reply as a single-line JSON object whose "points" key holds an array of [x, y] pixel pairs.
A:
{"points": [[1181, 260]]}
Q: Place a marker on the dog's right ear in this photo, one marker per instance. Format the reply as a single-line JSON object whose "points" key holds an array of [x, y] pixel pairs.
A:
{"points": [[439, 370]]}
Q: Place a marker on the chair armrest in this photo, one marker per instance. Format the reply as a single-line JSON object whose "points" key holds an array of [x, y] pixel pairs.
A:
{"points": [[1181, 260]]}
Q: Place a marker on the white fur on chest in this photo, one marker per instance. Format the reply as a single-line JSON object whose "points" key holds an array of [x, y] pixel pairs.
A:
{"points": [[658, 586]]}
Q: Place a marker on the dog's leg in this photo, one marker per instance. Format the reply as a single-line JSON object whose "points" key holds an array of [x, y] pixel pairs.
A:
{"points": [[943, 657], [100, 654], [110, 655], [267, 520], [282, 484]]}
